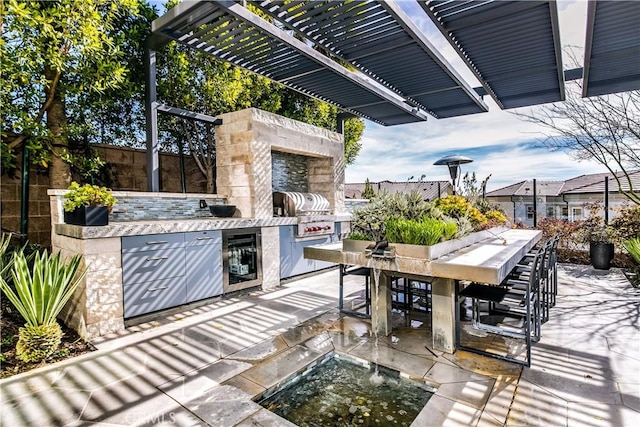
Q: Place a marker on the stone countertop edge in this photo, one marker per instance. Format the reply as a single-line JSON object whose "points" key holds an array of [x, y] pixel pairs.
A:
{"points": [[134, 228], [148, 194]]}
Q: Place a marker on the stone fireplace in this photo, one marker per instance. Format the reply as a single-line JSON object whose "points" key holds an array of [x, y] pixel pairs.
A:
{"points": [[245, 144]]}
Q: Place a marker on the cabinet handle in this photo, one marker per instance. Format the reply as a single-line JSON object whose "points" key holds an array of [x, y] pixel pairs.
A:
{"points": [[160, 288], [159, 242], [156, 258], [205, 238]]}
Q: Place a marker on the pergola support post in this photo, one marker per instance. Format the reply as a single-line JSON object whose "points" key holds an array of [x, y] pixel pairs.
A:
{"points": [[151, 115]]}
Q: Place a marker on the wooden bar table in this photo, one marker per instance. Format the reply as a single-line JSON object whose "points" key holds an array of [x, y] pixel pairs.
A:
{"points": [[489, 261]]}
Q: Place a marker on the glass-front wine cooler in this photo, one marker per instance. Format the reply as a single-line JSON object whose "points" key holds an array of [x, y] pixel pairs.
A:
{"points": [[241, 259]]}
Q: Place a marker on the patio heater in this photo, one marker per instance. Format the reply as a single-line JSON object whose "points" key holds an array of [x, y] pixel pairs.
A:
{"points": [[453, 162]]}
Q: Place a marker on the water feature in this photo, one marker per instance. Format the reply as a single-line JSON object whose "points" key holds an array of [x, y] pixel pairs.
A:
{"points": [[338, 392], [376, 378]]}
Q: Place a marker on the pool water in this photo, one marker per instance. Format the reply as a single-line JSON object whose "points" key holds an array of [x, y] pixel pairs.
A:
{"points": [[340, 392]]}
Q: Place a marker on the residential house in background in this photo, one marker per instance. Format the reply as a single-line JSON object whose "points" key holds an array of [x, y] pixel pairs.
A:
{"points": [[561, 199], [430, 190]]}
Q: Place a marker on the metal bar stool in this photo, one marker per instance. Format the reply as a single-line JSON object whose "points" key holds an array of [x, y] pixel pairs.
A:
{"points": [[356, 271], [516, 300]]}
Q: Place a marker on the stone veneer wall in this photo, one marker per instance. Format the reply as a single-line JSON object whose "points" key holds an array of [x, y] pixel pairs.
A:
{"points": [[96, 307], [39, 219], [245, 142], [270, 257], [289, 172], [134, 207]]}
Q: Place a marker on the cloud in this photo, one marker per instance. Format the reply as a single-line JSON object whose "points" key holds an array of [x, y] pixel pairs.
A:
{"points": [[500, 144], [507, 162]]}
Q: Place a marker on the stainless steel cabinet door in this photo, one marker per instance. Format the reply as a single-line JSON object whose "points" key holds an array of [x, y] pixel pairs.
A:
{"points": [[203, 264]]}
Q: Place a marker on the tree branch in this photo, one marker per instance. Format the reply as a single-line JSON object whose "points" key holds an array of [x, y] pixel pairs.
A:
{"points": [[50, 95]]}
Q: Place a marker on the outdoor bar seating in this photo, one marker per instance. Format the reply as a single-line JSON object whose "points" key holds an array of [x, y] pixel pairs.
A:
{"points": [[410, 294], [365, 272], [511, 309], [549, 281]]}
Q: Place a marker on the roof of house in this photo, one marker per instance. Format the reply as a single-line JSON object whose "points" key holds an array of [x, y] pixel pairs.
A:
{"points": [[428, 189], [593, 183]]}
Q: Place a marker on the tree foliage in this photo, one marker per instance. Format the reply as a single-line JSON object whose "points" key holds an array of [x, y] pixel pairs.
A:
{"points": [[601, 128], [194, 81], [368, 192], [54, 52], [72, 74]]}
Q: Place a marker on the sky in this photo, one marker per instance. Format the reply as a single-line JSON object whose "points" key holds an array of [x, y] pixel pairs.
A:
{"points": [[499, 143]]}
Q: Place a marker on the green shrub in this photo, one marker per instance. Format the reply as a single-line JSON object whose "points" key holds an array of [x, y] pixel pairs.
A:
{"points": [[626, 224], [370, 219], [458, 207], [567, 229], [87, 195], [495, 216], [450, 230]]}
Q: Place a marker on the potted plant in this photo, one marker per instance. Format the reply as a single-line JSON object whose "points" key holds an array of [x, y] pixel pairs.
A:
{"points": [[87, 204], [599, 236]]}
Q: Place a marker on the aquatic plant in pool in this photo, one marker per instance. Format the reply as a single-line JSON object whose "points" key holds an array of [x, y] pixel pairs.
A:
{"points": [[340, 392]]}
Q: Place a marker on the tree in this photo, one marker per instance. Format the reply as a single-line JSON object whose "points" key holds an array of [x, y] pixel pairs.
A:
{"points": [[368, 192], [195, 81], [601, 128], [54, 52]]}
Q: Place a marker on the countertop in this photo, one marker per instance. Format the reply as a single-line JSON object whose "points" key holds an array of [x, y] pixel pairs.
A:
{"points": [[134, 228]]}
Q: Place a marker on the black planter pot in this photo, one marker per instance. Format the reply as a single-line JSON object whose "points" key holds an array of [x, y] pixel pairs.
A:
{"points": [[601, 255], [88, 215]]}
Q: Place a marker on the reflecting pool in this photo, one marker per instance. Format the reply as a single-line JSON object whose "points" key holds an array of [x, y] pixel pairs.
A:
{"points": [[341, 391]]}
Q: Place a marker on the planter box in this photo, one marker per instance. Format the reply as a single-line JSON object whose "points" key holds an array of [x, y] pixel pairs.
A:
{"points": [[427, 252], [88, 215], [350, 245]]}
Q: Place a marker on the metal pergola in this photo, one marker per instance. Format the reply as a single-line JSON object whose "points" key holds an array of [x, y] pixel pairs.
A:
{"points": [[381, 67], [612, 47], [513, 47]]}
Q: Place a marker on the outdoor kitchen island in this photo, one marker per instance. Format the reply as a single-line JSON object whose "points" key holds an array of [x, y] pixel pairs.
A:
{"points": [[140, 267], [165, 250], [488, 261]]}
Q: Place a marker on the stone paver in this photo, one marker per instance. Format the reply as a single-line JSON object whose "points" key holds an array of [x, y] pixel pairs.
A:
{"points": [[206, 365]]}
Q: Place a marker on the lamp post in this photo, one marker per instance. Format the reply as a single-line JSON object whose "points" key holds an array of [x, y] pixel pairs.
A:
{"points": [[453, 162]]}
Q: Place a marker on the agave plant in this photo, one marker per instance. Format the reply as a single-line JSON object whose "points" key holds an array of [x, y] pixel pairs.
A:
{"points": [[39, 297], [633, 246], [5, 259], [7, 252]]}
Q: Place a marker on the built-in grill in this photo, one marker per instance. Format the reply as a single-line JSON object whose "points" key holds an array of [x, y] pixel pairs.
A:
{"points": [[311, 209]]}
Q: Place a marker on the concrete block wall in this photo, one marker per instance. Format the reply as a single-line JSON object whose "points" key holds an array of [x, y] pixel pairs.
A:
{"points": [[129, 170], [39, 221]]}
